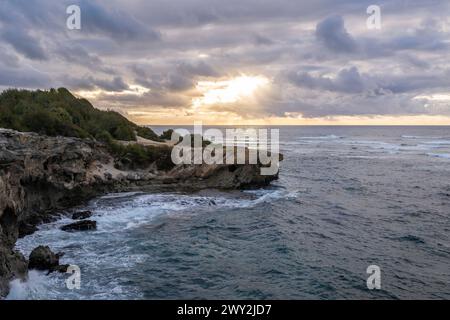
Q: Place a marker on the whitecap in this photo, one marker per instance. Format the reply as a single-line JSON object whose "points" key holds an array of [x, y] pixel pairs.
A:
{"points": [[438, 142], [33, 287], [422, 137], [439, 155], [327, 137]]}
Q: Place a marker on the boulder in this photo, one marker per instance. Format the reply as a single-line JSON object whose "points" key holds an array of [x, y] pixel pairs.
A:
{"points": [[62, 268], [39, 174], [42, 258], [82, 215], [83, 225], [25, 229], [12, 265]]}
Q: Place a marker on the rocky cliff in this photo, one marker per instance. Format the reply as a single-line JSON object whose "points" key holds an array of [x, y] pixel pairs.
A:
{"points": [[40, 175]]}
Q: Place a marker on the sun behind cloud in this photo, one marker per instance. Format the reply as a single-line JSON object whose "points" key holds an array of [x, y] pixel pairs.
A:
{"points": [[228, 91]]}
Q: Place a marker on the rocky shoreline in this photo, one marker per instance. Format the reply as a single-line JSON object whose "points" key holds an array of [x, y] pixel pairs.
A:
{"points": [[40, 175]]}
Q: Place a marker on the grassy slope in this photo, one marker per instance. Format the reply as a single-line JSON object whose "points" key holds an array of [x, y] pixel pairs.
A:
{"points": [[58, 112]]}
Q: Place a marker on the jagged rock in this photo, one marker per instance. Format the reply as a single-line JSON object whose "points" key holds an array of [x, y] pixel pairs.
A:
{"points": [[25, 229], [82, 215], [42, 258], [40, 175], [83, 225], [134, 176], [62, 268], [12, 265]]}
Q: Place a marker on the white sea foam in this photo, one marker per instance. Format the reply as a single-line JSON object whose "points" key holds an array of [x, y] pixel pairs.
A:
{"points": [[438, 142], [394, 148], [36, 283], [422, 137], [107, 247], [327, 137], [439, 155], [120, 195]]}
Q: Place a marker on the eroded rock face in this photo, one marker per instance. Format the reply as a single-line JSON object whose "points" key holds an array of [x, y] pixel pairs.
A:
{"points": [[12, 265], [42, 258], [41, 175], [82, 215], [84, 225]]}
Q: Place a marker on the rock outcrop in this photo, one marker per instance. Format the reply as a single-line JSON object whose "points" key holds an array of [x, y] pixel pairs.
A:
{"points": [[42, 258], [40, 175], [82, 215], [84, 225]]}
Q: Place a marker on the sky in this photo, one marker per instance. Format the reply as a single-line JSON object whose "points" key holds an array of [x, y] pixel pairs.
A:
{"points": [[237, 61]]}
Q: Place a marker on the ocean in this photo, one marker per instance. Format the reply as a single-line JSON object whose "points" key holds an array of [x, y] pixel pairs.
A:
{"points": [[346, 198]]}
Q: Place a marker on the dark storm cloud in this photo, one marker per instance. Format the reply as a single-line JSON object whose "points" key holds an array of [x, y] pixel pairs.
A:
{"points": [[25, 44], [76, 54], [415, 62], [23, 78], [115, 23], [8, 59], [197, 68], [262, 40], [153, 98], [346, 81], [362, 106], [321, 57], [116, 84], [351, 81], [334, 36], [176, 76]]}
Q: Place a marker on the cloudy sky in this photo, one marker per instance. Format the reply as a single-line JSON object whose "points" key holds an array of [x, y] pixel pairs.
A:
{"points": [[237, 61]]}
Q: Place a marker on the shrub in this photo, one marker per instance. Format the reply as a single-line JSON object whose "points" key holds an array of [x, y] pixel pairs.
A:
{"points": [[123, 132], [166, 135], [137, 156], [58, 112], [147, 133], [191, 137]]}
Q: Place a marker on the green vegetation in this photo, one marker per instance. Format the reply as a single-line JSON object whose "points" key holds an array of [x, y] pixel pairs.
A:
{"points": [[135, 156], [58, 112], [166, 135], [191, 137], [147, 133]]}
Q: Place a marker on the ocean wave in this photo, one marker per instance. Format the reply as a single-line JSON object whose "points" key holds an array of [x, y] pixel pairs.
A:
{"points": [[117, 216], [411, 238], [120, 195], [327, 137], [392, 148], [269, 195], [438, 142], [32, 288], [422, 137], [293, 143], [121, 212], [439, 155]]}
